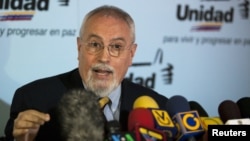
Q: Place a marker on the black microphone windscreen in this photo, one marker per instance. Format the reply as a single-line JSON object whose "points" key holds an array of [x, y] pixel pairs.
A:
{"points": [[177, 104], [80, 116], [244, 105], [196, 106], [228, 110]]}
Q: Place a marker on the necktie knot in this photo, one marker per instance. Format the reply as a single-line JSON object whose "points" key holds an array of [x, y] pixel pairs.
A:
{"points": [[103, 101]]}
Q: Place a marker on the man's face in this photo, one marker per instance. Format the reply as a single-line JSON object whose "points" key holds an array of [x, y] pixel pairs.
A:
{"points": [[101, 72]]}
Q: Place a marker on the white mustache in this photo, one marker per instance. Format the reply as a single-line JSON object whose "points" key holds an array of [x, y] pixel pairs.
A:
{"points": [[104, 67]]}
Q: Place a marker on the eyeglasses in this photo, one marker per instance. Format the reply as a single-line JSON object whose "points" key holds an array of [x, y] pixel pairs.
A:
{"points": [[114, 49]]}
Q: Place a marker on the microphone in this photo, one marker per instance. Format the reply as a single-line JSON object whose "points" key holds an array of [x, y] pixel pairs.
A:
{"points": [[196, 106], [141, 122], [187, 121], [244, 106], [228, 110], [141, 116], [145, 102], [205, 119], [230, 113], [177, 104], [115, 134], [80, 116], [210, 121], [164, 123], [161, 118]]}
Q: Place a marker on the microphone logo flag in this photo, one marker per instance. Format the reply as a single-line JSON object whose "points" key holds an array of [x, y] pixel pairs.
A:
{"points": [[189, 124], [162, 118], [164, 123]]}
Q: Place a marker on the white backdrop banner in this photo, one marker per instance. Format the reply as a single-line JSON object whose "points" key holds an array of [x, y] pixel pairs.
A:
{"points": [[199, 49]]}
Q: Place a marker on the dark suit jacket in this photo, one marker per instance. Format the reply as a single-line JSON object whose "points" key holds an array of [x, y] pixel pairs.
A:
{"points": [[44, 94]]}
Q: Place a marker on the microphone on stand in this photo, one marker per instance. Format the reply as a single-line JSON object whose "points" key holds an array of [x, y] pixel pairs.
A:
{"points": [[141, 122], [244, 106], [187, 120], [162, 121], [230, 114], [80, 116], [206, 120], [145, 102]]}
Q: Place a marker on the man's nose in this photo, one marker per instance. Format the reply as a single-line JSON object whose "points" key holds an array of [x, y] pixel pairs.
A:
{"points": [[104, 54]]}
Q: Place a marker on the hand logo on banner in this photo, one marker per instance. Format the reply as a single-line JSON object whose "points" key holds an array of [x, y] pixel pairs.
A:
{"points": [[166, 71]]}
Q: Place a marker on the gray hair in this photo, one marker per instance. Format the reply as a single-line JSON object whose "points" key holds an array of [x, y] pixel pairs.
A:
{"points": [[108, 10]]}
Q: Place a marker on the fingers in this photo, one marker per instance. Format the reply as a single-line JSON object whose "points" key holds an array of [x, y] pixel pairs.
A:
{"points": [[27, 121]]}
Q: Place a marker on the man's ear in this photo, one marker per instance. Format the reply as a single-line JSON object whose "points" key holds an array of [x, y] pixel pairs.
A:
{"points": [[133, 50], [78, 43]]}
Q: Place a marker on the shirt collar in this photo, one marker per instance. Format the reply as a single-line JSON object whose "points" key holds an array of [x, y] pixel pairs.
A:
{"points": [[115, 98]]}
